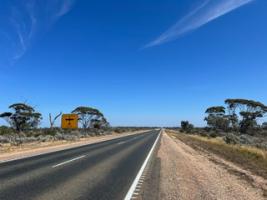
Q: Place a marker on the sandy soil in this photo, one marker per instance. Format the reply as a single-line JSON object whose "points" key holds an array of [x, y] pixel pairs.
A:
{"points": [[32, 149], [187, 174]]}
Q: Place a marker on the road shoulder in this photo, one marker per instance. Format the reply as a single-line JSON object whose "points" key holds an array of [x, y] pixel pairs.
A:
{"points": [[187, 174], [151, 187]]}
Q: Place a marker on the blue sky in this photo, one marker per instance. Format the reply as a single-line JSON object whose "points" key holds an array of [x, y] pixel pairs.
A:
{"points": [[153, 62]]}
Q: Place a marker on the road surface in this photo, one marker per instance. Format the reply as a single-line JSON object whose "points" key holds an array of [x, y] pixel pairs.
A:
{"points": [[103, 170]]}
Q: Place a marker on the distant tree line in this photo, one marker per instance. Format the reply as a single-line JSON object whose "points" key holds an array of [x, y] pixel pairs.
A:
{"points": [[240, 115], [24, 117]]}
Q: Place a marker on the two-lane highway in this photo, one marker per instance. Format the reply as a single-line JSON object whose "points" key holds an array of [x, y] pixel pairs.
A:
{"points": [[103, 170]]}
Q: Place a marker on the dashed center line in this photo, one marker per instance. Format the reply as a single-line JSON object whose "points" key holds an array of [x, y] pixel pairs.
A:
{"points": [[121, 143], [68, 161], [80, 157], [127, 141]]}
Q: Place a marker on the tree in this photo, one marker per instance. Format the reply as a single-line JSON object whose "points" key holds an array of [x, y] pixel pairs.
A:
{"points": [[99, 123], [232, 116], [249, 112], [87, 115], [264, 125], [216, 118], [186, 126], [23, 117], [53, 120]]}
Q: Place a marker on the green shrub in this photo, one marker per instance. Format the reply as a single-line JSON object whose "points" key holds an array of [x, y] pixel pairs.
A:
{"points": [[203, 134], [231, 139], [213, 135], [4, 130], [186, 126]]}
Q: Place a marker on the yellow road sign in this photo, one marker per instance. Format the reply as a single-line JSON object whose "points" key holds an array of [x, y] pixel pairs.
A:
{"points": [[69, 121]]}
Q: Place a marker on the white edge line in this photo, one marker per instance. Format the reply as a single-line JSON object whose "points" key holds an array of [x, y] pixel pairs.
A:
{"points": [[68, 148], [121, 142], [138, 176], [68, 161]]}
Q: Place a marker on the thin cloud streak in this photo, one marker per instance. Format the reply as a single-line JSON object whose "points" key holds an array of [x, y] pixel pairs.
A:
{"points": [[27, 21], [66, 6], [208, 11]]}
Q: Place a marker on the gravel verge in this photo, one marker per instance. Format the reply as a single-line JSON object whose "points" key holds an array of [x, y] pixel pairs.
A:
{"points": [[187, 174]]}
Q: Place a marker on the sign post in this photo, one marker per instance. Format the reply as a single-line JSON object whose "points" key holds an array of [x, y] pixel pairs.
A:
{"points": [[69, 121]]}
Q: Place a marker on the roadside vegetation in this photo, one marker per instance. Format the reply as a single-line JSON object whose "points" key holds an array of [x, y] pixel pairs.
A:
{"points": [[233, 132], [24, 125], [248, 157], [236, 123]]}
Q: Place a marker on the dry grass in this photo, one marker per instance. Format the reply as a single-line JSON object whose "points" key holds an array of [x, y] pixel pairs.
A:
{"points": [[249, 158], [244, 150]]}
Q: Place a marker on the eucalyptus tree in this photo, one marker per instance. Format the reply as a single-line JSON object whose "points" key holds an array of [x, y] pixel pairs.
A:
{"points": [[249, 112], [87, 115], [23, 117], [100, 123], [216, 118]]}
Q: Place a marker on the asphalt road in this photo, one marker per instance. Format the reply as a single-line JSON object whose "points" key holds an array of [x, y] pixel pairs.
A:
{"points": [[103, 171]]}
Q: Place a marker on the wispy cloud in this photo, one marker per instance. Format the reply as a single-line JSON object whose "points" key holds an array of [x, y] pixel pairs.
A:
{"points": [[208, 11], [65, 7], [25, 21]]}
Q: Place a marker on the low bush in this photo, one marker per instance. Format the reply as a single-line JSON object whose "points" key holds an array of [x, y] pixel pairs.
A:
{"points": [[213, 135], [9, 135], [4, 139], [204, 134], [4, 130], [250, 158], [186, 126], [231, 139], [49, 131], [45, 138]]}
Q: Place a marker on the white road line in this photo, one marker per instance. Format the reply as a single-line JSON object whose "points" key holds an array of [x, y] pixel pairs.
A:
{"points": [[121, 143], [127, 141], [68, 161], [130, 192]]}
